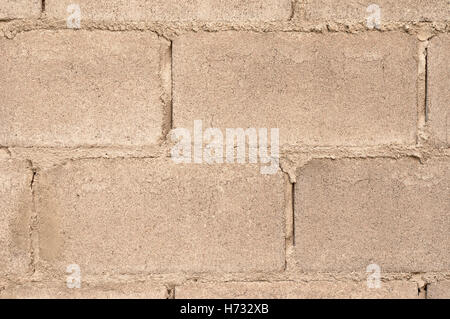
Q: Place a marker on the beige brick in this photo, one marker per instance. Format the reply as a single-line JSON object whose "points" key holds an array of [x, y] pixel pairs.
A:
{"points": [[296, 290], [391, 10], [174, 10], [19, 9], [439, 290], [60, 291], [319, 89], [15, 214], [354, 212], [70, 88], [133, 216], [438, 87]]}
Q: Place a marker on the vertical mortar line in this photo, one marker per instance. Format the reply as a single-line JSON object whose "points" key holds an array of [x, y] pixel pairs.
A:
{"points": [[293, 214], [43, 6], [426, 84], [299, 13], [166, 85], [171, 84], [422, 94], [288, 222], [33, 220], [293, 5], [422, 291], [171, 292]]}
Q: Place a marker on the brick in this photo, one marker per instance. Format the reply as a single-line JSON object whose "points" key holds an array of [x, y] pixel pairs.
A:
{"points": [[19, 9], [354, 212], [300, 84], [296, 290], [60, 291], [66, 88], [174, 10], [138, 216], [439, 290], [15, 214], [391, 10], [438, 88]]}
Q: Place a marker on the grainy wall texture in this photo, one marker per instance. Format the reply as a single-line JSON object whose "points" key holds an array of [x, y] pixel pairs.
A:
{"points": [[93, 204]]}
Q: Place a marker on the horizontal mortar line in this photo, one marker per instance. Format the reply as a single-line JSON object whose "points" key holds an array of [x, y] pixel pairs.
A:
{"points": [[167, 22], [85, 147], [282, 156], [156, 145], [163, 152], [214, 26], [180, 31], [212, 278], [283, 147]]}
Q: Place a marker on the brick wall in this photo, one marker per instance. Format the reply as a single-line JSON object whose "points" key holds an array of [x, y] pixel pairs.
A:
{"points": [[89, 100]]}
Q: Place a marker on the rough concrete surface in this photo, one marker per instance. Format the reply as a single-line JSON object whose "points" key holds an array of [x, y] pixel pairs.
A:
{"points": [[295, 290], [439, 290], [439, 93], [354, 212], [157, 216], [15, 217], [61, 291], [319, 89], [390, 10], [19, 9], [108, 188], [66, 88], [174, 10]]}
